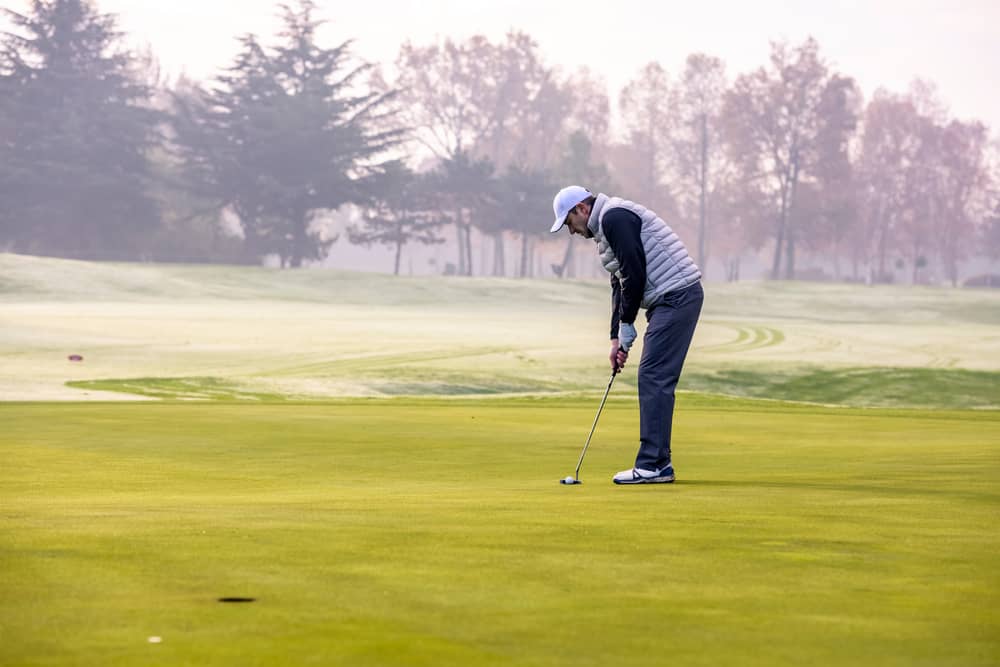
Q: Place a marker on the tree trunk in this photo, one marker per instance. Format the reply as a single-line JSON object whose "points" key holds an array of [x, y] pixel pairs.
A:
{"points": [[651, 167], [790, 255], [790, 224], [779, 242], [399, 253], [732, 265], [565, 270], [881, 256], [499, 265], [468, 249], [523, 273], [459, 230], [881, 227], [299, 223]]}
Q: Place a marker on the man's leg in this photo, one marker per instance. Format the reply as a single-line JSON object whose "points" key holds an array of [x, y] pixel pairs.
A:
{"points": [[665, 346]]}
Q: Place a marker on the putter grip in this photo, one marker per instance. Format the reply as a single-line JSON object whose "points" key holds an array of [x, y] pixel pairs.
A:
{"points": [[621, 348]]}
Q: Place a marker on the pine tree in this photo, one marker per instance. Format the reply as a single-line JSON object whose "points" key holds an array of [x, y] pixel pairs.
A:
{"points": [[75, 136], [286, 132], [402, 214]]}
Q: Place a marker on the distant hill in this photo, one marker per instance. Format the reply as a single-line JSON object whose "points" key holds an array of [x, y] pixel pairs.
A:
{"points": [[24, 277]]}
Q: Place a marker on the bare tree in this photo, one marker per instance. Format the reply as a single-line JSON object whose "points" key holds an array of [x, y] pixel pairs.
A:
{"points": [[580, 166], [964, 183], [990, 225], [590, 108], [889, 145], [777, 122], [481, 101], [832, 221], [445, 124], [698, 163], [924, 180], [645, 115], [990, 236], [585, 151]]}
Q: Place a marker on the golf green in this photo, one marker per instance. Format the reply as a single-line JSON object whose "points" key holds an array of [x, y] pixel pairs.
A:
{"points": [[435, 532]]}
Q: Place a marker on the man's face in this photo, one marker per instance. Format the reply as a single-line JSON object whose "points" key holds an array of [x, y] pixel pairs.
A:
{"points": [[576, 220]]}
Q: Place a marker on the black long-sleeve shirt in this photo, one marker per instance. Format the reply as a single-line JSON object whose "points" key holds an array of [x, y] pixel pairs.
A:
{"points": [[622, 229]]}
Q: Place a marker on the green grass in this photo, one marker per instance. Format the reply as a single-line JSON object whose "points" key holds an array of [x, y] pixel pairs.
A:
{"points": [[874, 387], [430, 529], [877, 387], [249, 333], [428, 532]]}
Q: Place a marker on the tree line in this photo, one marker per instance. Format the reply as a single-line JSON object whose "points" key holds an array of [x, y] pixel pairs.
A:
{"points": [[100, 159]]}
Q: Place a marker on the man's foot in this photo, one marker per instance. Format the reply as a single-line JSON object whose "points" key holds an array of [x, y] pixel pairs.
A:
{"points": [[641, 476]]}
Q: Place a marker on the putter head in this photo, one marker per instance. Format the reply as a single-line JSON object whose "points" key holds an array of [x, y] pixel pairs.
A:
{"points": [[570, 480]]}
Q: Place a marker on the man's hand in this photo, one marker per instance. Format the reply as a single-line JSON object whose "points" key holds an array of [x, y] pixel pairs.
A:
{"points": [[626, 336], [618, 356]]}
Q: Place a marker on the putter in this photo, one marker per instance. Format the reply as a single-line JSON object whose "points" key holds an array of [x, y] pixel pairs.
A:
{"points": [[575, 479]]}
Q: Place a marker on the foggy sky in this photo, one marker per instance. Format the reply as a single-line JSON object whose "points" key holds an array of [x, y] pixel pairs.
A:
{"points": [[880, 43]]}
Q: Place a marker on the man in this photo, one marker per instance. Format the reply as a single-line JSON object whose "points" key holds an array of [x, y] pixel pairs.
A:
{"points": [[650, 268]]}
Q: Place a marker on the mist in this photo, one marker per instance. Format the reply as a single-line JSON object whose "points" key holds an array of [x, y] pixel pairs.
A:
{"points": [[441, 155]]}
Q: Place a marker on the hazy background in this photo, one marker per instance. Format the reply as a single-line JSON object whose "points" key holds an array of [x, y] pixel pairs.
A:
{"points": [[887, 43], [591, 73]]}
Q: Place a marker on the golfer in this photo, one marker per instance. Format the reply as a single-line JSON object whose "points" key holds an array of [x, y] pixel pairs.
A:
{"points": [[650, 268]]}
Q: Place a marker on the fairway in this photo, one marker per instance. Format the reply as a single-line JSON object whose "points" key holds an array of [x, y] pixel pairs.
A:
{"points": [[248, 333], [375, 461], [430, 532]]}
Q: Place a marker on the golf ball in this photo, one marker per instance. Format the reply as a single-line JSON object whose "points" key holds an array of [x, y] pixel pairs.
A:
{"points": [[569, 480]]}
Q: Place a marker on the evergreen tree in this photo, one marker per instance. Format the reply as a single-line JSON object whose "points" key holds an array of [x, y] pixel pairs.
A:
{"points": [[75, 134], [287, 132], [400, 215]]}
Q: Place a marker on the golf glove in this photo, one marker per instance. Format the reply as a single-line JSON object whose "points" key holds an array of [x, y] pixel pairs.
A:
{"points": [[626, 336]]}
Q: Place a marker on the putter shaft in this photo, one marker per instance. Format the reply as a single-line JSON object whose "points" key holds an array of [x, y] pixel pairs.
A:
{"points": [[592, 428]]}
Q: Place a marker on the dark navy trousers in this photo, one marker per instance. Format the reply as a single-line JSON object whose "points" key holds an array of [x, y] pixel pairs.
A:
{"points": [[671, 323]]}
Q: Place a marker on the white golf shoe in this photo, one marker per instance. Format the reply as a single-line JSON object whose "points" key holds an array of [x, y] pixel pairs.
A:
{"points": [[642, 476]]}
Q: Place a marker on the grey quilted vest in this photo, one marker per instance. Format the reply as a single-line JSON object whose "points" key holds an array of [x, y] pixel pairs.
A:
{"points": [[669, 267]]}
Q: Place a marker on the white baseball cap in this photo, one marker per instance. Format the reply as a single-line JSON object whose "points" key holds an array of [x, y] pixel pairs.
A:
{"points": [[564, 202]]}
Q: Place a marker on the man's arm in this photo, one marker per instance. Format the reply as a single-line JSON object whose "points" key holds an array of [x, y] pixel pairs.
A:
{"points": [[622, 229], [616, 305]]}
